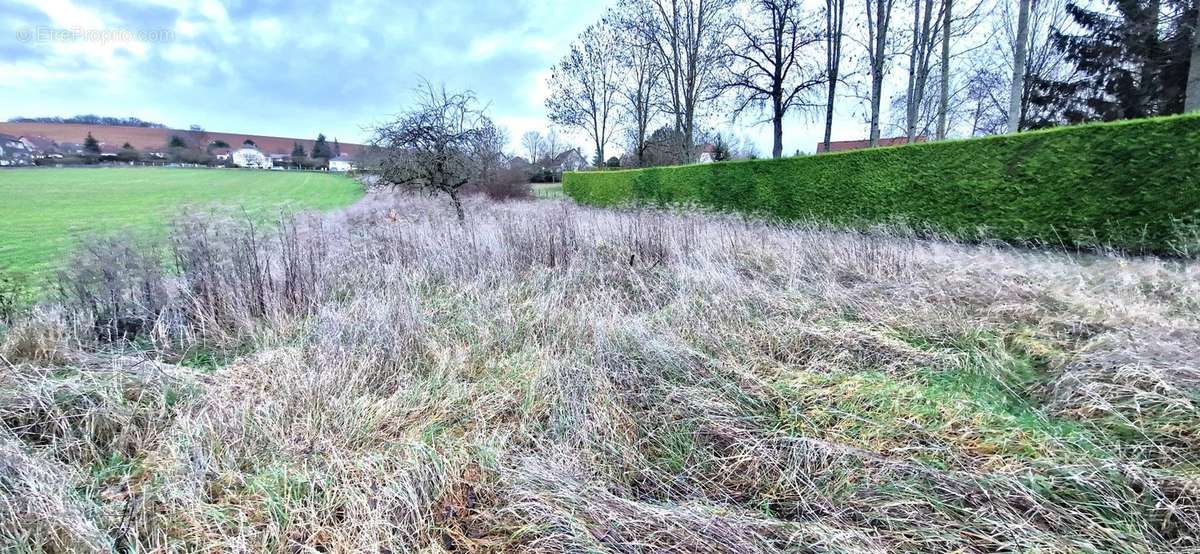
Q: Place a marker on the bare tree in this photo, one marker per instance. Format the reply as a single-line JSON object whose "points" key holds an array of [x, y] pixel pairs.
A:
{"points": [[926, 32], [767, 65], [929, 103], [553, 146], [198, 138], [944, 88], [835, 16], [984, 95], [584, 86], [1043, 60], [879, 22], [1191, 102], [534, 146], [687, 37], [435, 145], [1018, 81], [993, 66], [639, 82], [488, 155]]}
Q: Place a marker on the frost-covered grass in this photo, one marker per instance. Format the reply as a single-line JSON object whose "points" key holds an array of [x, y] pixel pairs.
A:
{"points": [[553, 378]]}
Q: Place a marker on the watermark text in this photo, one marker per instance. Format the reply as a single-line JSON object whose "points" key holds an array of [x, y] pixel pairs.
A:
{"points": [[101, 36]]}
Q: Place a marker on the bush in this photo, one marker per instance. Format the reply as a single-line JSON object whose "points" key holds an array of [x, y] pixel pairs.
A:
{"points": [[506, 184], [1133, 185], [15, 295]]}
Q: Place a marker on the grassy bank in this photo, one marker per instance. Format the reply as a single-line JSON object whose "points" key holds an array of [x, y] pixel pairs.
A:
{"points": [[46, 211], [550, 378]]}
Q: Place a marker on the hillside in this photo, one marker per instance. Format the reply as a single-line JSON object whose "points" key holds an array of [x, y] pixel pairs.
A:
{"points": [[148, 138]]}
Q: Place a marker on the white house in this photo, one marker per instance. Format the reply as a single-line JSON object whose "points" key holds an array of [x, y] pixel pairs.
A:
{"points": [[41, 147], [249, 156], [570, 160], [341, 163], [14, 152]]}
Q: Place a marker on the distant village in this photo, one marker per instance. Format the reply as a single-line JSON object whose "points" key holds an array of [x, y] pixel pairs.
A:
{"points": [[25, 144], [193, 147]]}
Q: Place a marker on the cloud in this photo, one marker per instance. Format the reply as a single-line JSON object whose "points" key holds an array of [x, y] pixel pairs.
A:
{"points": [[282, 68]]}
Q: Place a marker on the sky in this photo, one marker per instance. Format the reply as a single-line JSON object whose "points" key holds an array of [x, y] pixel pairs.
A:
{"points": [[293, 69]]}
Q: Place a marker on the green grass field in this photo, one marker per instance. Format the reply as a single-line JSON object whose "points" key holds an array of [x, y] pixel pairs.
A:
{"points": [[44, 212], [548, 191]]}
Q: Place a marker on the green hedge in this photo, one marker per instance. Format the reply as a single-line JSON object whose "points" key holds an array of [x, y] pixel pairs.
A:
{"points": [[1133, 185]]}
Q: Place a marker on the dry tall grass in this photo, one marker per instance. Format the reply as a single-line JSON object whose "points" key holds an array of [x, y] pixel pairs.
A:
{"points": [[557, 379]]}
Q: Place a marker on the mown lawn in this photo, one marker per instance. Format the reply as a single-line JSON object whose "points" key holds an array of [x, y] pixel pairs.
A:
{"points": [[44, 212]]}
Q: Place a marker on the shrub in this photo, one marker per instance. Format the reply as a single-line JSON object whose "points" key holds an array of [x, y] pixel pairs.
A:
{"points": [[15, 294], [506, 184], [1132, 185]]}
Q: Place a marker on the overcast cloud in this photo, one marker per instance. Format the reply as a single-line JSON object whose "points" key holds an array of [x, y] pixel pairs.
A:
{"points": [[276, 68]]}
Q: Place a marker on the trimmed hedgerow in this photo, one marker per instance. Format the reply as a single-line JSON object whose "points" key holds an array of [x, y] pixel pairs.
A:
{"points": [[1133, 185]]}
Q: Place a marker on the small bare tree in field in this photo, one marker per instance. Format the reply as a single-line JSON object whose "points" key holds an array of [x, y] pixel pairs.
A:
{"points": [[436, 144]]}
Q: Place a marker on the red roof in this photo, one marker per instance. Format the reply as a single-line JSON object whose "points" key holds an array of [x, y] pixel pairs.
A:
{"points": [[844, 145]]}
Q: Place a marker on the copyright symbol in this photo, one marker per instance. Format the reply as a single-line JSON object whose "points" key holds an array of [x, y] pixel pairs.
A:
{"points": [[25, 35]]}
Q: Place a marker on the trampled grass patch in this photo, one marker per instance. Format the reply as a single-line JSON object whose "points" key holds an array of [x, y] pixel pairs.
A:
{"points": [[44, 212]]}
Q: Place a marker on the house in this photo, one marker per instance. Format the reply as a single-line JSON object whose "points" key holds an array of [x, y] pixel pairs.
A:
{"points": [[249, 156], [844, 145], [341, 163], [570, 160], [707, 153], [41, 147], [13, 152], [519, 163], [280, 160], [70, 148]]}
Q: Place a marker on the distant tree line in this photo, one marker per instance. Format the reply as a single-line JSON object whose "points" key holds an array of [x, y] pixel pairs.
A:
{"points": [[90, 119]]}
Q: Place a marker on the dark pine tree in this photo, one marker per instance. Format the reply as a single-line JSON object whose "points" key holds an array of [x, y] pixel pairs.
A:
{"points": [[1131, 59], [176, 142], [297, 150], [320, 149], [91, 145], [337, 147], [721, 150]]}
